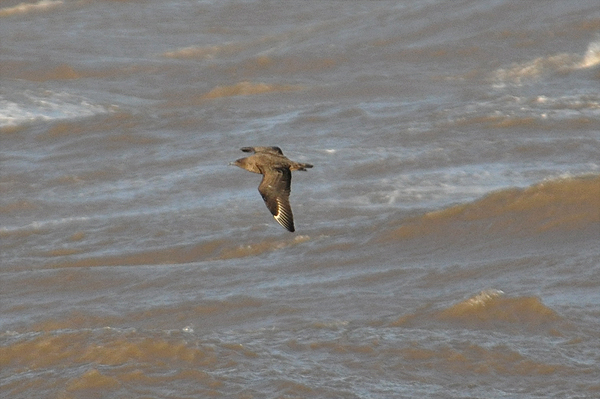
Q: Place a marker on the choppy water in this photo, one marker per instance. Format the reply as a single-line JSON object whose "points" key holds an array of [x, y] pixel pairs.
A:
{"points": [[447, 240]]}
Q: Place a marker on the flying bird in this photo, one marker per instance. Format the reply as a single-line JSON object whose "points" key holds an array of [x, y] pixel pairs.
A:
{"points": [[275, 186]]}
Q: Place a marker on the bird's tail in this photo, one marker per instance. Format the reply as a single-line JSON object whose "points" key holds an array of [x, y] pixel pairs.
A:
{"points": [[301, 166]]}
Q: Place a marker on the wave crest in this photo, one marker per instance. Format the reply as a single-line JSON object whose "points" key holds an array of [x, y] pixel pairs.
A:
{"points": [[518, 73], [492, 306], [490, 309], [564, 204]]}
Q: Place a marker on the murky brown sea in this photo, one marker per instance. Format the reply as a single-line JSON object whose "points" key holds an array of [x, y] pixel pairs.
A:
{"points": [[448, 237]]}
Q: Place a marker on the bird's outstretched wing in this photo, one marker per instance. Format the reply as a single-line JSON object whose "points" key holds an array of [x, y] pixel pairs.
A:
{"points": [[269, 150], [275, 191]]}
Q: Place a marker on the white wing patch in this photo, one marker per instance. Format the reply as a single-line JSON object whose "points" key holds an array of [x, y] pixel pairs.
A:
{"points": [[284, 215]]}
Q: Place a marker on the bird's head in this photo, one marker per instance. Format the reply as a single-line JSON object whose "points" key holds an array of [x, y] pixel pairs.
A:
{"points": [[238, 162]]}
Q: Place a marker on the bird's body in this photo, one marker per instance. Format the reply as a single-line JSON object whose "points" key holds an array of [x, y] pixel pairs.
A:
{"points": [[275, 186]]}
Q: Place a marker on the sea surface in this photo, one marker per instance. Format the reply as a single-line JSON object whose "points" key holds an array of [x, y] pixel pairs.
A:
{"points": [[447, 240]]}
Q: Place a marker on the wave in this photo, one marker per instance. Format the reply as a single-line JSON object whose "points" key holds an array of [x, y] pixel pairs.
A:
{"points": [[488, 309], [591, 57], [30, 106], [91, 352], [204, 52], [25, 8], [246, 89], [65, 71], [565, 204], [243, 251], [16, 206], [60, 72], [519, 73], [492, 305], [219, 249], [543, 112]]}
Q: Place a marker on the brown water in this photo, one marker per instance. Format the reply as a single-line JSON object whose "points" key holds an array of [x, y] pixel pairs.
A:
{"points": [[447, 241]]}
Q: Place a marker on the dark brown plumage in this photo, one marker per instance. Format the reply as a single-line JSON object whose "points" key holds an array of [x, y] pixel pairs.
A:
{"points": [[275, 186]]}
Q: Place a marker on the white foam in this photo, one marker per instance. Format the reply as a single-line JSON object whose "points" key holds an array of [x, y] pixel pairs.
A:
{"points": [[484, 297], [46, 105], [592, 56], [519, 73], [25, 8]]}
